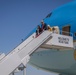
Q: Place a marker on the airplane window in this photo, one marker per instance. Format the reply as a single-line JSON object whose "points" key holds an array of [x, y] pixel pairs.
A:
{"points": [[49, 15]]}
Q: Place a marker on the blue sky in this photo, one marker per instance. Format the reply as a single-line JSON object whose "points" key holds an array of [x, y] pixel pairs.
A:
{"points": [[18, 18]]}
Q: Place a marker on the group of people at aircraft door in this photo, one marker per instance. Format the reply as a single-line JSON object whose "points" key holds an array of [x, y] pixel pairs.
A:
{"points": [[44, 26]]}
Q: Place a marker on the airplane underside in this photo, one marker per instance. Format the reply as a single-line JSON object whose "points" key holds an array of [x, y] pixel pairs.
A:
{"points": [[59, 61]]}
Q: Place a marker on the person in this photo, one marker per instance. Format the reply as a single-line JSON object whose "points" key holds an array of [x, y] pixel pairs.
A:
{"points": [[49, 28], [55, 29], [38, 30], [43, 25]]}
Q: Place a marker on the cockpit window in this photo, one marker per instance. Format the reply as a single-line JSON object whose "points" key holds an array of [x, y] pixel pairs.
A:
{"points": [[49, 15]]}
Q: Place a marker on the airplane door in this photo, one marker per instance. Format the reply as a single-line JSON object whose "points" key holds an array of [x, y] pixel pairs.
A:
{"points": [[66, 30]]}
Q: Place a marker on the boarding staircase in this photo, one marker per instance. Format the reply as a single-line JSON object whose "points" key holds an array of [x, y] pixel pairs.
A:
{"points": [[59, 42], [2, 55], [21, 54]]}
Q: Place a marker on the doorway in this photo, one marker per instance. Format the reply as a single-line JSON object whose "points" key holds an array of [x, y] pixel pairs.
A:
{"points": [[66, 30]]}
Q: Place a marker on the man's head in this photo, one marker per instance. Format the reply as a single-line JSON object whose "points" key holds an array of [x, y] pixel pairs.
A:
{"points": [[42, 22]]}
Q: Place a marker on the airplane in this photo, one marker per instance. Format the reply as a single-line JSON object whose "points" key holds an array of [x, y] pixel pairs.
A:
{"points": [[53, 52], [54, 60]]}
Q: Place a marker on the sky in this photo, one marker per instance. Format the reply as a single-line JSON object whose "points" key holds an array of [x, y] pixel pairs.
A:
{"points": [[18, 18]]}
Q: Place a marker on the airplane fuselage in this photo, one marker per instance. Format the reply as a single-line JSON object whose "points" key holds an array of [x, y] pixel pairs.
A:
{"points": [[60, 61]]}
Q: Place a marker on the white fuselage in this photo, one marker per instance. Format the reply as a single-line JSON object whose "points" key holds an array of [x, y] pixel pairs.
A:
{"points": [[61, 61]]}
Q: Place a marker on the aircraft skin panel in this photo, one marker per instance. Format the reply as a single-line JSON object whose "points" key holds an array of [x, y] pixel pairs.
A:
{"points": [[62, 15], [54, 60]]}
